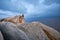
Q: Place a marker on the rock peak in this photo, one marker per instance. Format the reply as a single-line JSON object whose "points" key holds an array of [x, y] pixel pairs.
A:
{"points": [[16, 19]]}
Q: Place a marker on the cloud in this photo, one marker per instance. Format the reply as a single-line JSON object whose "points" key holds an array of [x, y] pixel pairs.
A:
{"points": [[44, 10], [31, 8], [4, 14], [48, 2], [12, 5]]}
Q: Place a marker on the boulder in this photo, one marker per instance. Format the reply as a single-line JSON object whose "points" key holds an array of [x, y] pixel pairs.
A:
{"points": [[11, 32], [39, 31]]}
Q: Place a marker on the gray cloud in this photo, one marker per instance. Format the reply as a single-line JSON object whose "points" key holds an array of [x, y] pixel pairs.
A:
{"points": [[48, 2], [31, 8], [4, 14]]}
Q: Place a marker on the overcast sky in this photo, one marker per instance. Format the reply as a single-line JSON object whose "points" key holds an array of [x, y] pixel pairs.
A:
{"points": [[30, 8]]}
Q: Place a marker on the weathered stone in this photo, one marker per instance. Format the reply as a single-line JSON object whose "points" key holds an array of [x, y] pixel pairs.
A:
{"points": [[1, 37], [15, 19], [33, 31], [11, 32], [39, 31]]}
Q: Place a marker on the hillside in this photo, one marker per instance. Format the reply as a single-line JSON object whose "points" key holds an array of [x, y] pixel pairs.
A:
{"points": [[35, 31]]}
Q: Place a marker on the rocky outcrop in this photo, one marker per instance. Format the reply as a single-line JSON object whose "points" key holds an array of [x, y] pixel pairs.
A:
{"points": [[31, 31], [1, 37], [18, 19], [39, 31], [15, 19], [11, 32], [51, 33]]}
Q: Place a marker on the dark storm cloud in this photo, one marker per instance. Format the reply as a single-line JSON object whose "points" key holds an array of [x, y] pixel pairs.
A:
{"points": [[11, 6], [31, 8], [34, 2], [48, 2]]}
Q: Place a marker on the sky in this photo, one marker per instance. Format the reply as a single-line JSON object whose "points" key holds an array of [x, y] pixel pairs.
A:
{"points": [[30, 8]]}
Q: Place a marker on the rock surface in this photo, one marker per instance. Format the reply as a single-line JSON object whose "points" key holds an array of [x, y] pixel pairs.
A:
{"points": [[11, 32], [1, 37], [39, 31], [33, 31]]}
